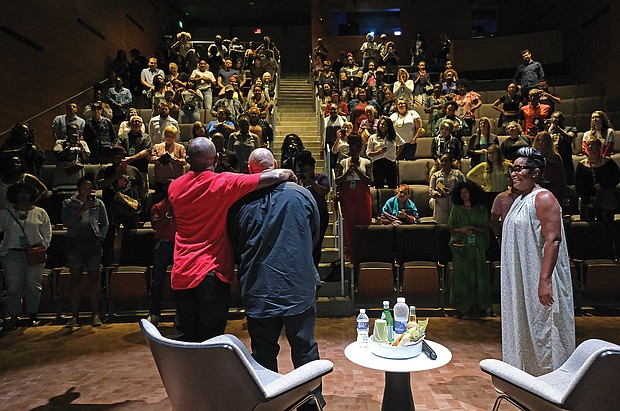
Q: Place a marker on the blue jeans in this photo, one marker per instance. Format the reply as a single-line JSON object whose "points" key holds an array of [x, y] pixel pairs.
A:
{"points": [[23, 281], [190, 116], [162, 257], [207, 98]]}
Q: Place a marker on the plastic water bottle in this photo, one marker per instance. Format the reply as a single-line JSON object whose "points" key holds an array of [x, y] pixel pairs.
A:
{"points": [[401, 316], [363, 327], [389, 321]]}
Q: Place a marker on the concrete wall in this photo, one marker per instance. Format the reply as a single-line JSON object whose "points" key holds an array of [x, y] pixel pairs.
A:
{"points": [[72, 58]]}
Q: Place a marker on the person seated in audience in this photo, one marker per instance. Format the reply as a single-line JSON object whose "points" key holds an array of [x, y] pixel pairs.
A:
{"points": [[351, 75], [421, 84], [147, 76], [383, 149], [260, 127], [357, 108], [400, 209], [232, 105], [59, 125], [175, 80], [183, 44], [13, 171], [237, 94], [327, 76], [175, 110], [548, 98], [601, 128], [120, 99], [500, 208], [137, 145], [341, 144], [22, 224], [446, 143], [269, 85], [205, 81], [449, 84], [332, 123], [163, 222], [191, 101], [158, 123], [226, 160], [169, 160], [448, 68], [408, 126], [480, 142], [596, 178], [199, 130], [492, 176], [533, 114], [470, 292], [468, 101], [388, 105], [119, 177], [461, 128], [157, 95], [553, 176], [342, 106], [258, 101], [441, 185], [291, 147], [223, 77], [376, 90], [369, 49], [529, 74], [71, 155], [242, 143], [433, 106], [125, 126], [242, 78], [515, 141], [257, 70], [221, 124], [368, 126], [403, 87], [99, 135], [98, 98], [563, 140], [353, 178], [509, 106], [86, 220], [21, 142]]}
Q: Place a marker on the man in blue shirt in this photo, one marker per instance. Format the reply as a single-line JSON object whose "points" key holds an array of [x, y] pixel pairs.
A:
{"points": [[274, 231], [528, 74], [120, 100]]}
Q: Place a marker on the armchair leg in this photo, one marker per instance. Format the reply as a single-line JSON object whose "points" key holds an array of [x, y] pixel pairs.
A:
{"points": [[510, 400], [306, 400]]}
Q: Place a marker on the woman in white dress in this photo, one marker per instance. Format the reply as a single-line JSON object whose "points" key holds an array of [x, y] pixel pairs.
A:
{"points": [[538, 325]]}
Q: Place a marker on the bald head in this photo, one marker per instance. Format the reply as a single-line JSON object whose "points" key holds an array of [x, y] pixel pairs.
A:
{"points": [[201, 154], [261, 160]]}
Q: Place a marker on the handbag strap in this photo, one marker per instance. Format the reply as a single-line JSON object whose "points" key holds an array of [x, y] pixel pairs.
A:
{"points": [[20, 226]]}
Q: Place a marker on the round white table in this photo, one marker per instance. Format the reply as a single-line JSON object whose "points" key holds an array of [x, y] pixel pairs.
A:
{"points": [[397, 394]]}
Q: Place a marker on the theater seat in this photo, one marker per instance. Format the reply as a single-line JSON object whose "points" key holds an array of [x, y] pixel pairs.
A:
{"points": [[374, 261]]}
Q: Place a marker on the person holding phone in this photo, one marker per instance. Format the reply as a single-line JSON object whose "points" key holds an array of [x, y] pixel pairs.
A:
{"points": [[86, 220]]}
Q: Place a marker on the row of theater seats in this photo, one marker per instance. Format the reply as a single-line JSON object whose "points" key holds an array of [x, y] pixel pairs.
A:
{"points": [[125, 285], [414, 261]]}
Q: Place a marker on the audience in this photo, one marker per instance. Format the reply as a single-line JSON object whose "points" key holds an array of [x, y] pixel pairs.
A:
{"points": [[400, 209], [601, 128], [383, 149], [169, 160]]}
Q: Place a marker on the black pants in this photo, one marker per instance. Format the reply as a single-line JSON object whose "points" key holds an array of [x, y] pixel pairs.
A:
{"points": [[202, 311], [108, 243], [384, 172], [408, 152], [264, 333], [162, 257]]}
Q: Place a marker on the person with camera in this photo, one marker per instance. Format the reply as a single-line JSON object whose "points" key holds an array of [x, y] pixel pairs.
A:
{"points": [[291, 147], [563, 137], [21, 142], [192, 100], [86, 220]]}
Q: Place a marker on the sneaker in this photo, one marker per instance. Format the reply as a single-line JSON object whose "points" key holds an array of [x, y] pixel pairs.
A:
{"points": [[153, 319], [96, 321], [10, 324], [73, 322]]}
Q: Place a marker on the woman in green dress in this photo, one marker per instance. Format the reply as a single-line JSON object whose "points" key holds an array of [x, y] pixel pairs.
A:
{"points": [[470, 290]]}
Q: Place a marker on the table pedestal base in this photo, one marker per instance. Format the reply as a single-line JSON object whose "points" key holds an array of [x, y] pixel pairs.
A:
{"points": [[397, 394]]}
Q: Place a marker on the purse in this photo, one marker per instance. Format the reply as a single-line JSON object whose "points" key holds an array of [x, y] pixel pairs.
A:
{"points": [[35, 254], [125, 205]]}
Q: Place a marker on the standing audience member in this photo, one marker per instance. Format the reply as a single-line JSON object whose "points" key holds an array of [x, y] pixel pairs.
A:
{"points": [[601, 128], [203, 256], [480, 142], [86, 220], [369, 49], [369, 125], [163, 222], [492, 176], [137, 144], [514, 142], [403, 87], [421, 84], [509, 106], [291, 147], [383, 149], [13, 172], [21, 141], [147, 76], [533, 114], [468, 102], [538, 325], [59, 125], [169, 160], [408, 126], [563, 137], [23, 225], [596, 178], [205, 81], [499, 211], [278, 282], [553, 177], [441, 185], [332, 124], [158, 124], [116, 179], [470, 289], [120, 99], [446, 143], [191, 102], [100, 136], [261, 128], [461, 128], [242, 143], [353, 178], [434, 106], [529, 74]]}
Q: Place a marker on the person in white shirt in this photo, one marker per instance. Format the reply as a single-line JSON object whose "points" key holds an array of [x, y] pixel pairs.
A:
{"points": [[148, 74], [383, 149], [408, 126], [204, 80], [158, 124]]}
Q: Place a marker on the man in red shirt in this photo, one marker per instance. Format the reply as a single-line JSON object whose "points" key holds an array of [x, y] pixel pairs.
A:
{"points": [[533, 115], [203, 258]]}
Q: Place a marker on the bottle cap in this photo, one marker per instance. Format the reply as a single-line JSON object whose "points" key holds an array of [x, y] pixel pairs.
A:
{"points": [[362, 311], [400, 300], [386, 304]]}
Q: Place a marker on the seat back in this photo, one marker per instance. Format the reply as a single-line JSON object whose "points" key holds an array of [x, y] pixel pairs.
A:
{"points": [[597, 388], [416, 243], [209, 376], [590, 241]]}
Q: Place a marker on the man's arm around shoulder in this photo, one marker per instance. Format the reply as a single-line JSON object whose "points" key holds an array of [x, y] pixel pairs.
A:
{"points": [[271, 177]]}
